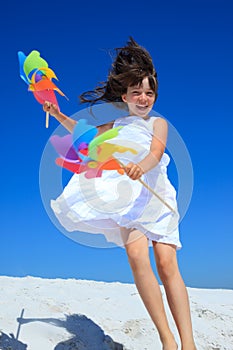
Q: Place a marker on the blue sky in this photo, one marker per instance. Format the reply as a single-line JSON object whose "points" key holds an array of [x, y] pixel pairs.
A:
{"points": [[191, 45]]}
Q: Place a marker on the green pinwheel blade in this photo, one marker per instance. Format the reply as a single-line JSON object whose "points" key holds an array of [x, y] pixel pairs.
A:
{"points": [[33, 61], [107, 135]]}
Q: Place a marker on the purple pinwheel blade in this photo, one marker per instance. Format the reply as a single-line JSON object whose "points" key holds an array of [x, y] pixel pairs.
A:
{"points": [[64, 146]]}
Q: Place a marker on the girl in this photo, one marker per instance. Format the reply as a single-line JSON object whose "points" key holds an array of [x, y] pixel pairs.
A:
{"points": [[137, 218]]}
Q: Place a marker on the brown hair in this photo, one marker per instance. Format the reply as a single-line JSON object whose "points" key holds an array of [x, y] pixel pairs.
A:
{"points": [[132, 64]]}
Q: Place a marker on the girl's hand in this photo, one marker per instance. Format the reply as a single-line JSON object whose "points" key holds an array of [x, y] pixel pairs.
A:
{"points": [[134, 171], [66, 121], [51, 108]]}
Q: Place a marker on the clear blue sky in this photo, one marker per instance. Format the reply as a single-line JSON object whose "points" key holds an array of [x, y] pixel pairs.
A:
{"points": [[191, 45]]}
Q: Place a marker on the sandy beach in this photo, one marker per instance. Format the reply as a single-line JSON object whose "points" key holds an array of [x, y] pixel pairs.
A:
{"points": [[59, 314]]}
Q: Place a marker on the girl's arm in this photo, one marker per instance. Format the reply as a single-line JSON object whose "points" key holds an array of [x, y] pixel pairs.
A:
{"points": [[158, 144], [104, 127], [66, 121]]}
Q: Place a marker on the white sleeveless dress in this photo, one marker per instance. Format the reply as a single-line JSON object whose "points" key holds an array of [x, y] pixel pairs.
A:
{"points": [[105, 204]]}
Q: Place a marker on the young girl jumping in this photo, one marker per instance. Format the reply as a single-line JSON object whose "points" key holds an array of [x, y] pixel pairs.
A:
{"points": [[139, 219]]}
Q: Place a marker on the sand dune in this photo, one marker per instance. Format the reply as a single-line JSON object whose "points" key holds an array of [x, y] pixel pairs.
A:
{"points": [[57, 314]]}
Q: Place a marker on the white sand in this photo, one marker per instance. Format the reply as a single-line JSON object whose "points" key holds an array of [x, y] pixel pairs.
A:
{"points": [[86, 315]]}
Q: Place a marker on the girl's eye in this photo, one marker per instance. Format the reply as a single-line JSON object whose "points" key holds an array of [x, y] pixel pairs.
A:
{"points": [[135, 92], [150, 94]]}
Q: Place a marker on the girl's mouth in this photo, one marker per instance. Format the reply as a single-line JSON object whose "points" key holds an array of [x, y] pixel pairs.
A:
{"points": [[142, 108]]}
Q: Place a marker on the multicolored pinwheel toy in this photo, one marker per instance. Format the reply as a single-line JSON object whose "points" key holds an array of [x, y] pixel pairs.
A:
{"points": [[83, 152], [38, 76]]}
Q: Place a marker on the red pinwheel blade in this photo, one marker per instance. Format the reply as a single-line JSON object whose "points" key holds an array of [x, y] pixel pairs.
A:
{"points": [[45, 95], [78, 168], [73, 167]]}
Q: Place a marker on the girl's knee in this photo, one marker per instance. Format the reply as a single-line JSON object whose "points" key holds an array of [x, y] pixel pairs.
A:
{"points": [[137, 258], [166, 260], [167, 267], [132, 252]]}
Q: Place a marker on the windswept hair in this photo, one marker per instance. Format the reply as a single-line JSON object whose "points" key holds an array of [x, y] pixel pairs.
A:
{"points": [[132, 64]]}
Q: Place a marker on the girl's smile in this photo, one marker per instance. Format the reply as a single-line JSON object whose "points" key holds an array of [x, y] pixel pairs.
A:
{"points": [[139, 98]]}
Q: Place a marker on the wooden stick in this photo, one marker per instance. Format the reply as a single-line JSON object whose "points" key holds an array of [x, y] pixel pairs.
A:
{"points": [[47, 120], [151, 190], [156, 195]]}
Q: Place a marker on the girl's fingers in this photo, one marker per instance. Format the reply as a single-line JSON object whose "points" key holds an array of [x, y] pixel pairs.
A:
{"points": [[134, 171], [46, 106], [50, 107]]}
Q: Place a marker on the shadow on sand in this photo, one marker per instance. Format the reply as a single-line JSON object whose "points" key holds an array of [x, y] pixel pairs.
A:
{"points": [[86, 333], [10, 342]]}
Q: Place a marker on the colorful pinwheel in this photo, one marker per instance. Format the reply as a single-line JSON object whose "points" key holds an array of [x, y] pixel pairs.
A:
{"points": [[38, 76], [83, 152]]}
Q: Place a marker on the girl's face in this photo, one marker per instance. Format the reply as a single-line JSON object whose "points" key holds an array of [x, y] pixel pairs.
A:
{"points": [[140, 99]]}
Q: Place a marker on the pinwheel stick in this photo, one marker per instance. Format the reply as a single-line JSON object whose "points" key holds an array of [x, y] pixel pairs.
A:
{"points": [[47, 120], [152, 191], [156, 195]]}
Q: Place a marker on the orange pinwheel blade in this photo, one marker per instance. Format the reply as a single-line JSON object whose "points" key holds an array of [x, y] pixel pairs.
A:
{"points": [[45, 84], [111, 164]]}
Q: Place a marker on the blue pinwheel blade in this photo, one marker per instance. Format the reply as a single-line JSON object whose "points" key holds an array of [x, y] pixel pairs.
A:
{"points": [[22, 58], [83, 133]]}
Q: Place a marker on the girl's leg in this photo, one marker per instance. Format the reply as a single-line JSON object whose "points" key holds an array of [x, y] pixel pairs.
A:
{"points": [[138, 254], [177, 296]]}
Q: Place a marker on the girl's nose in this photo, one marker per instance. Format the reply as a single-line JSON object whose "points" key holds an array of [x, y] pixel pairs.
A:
{"points": [[142, 97]]}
